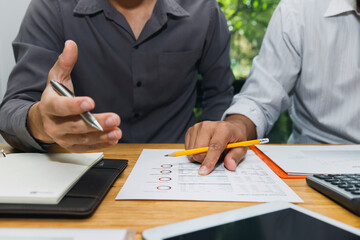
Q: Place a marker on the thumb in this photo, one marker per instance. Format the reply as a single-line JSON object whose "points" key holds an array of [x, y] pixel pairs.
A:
{"points": [[234, 157], [61, 71]]}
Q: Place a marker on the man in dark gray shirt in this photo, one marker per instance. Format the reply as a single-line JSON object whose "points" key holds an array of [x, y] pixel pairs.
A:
{"points": [[138, 60]]}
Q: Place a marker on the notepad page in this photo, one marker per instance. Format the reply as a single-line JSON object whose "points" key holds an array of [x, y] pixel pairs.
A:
{"points": [[41, 178]]}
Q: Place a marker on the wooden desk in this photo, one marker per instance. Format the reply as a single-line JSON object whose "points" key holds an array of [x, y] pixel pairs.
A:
{"points": [[141, 215]]}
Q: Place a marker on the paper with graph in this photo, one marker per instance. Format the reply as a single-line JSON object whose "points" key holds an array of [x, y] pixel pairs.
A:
{"points": [[176, 178]]}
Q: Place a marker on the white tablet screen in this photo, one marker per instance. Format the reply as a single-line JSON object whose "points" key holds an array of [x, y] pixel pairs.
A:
{"points": [[280, 225]]}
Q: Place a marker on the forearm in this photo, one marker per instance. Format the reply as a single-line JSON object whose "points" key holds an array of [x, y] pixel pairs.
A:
{"points": [[13, 116]]}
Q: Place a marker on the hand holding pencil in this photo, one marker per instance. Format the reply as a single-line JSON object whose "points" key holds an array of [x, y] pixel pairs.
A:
{"points": [[206, 149], [219, 138]]}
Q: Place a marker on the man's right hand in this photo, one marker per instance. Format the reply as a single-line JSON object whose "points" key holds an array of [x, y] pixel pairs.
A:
{"points": [[216, 135], [56, 119]]}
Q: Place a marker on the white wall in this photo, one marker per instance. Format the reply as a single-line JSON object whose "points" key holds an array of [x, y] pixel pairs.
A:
{"points": [[12, 12]]}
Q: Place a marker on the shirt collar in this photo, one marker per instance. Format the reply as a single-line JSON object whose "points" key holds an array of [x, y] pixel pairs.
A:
{"points": [[173, 8], [337, 7], [86, 7]]}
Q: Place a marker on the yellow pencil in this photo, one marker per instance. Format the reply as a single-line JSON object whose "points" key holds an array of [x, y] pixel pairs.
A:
{"points": [[205, 149]]}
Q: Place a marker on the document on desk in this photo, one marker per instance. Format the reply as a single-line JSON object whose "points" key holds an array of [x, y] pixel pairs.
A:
{"points": [[314, 159], [167, 178], [65, 234]]}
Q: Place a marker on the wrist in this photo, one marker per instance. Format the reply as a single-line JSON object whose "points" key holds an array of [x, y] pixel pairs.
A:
{"points": [[35, 125], [244, 124]]}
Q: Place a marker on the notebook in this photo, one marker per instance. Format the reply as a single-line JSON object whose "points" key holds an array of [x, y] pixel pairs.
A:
{"points": [[38, 178]]}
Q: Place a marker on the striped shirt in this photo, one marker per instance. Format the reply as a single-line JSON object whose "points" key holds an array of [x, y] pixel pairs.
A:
{"points": [[309, 63]]}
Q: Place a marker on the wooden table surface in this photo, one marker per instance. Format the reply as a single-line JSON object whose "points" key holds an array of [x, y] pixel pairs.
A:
{"points": [[144, 214]]}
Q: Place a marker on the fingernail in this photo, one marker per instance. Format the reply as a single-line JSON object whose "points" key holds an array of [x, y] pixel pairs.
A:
{"points": [[110, 122], [114, 135], [86, 106], [232, 165], [203, 170]]}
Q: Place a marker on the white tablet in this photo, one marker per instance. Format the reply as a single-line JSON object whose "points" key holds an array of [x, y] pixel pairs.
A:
{"points": [[275, 220]]}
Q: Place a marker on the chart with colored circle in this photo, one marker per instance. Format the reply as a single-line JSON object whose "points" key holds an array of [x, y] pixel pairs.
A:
{"points": [[156, 176]]}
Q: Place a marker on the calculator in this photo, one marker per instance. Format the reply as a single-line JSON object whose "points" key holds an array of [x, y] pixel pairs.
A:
{"points": [[342, 188]]}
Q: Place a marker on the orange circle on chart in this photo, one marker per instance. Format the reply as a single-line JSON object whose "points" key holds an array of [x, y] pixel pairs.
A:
{"points": [[164, 179], [165, 171], [163, 187], [167, 166]]}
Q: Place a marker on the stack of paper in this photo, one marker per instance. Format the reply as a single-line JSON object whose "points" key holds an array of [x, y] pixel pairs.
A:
{"points": [[314, 159], [41, 178]]}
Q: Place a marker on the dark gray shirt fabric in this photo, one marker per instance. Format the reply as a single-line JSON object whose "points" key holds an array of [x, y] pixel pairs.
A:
{"points": [[150, 81]]}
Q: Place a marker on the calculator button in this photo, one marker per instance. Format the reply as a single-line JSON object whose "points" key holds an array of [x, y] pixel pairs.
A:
{"points": [[343, 185], [351, 188], [336, 182], [329, 179]]}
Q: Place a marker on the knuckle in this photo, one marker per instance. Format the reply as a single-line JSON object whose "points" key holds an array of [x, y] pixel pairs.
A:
{"points": [[222, 126], [216, 147], [73, 126], [83, 139], [206, 125]]}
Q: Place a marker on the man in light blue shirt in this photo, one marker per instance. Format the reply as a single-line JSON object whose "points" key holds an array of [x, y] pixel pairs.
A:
{"points": [[309, 63]]}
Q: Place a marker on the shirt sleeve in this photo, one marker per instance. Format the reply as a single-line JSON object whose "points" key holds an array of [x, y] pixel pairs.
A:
{"points": [[36, 49], [215, 68], [268, 89]]}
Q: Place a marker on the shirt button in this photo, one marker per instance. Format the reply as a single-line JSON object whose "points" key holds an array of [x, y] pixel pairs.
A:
{"points": [[136, 47], [136, 115], [138, 84]]}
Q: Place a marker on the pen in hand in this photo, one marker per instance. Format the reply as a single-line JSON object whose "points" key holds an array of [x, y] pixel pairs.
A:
{"points": [[87, 116]]}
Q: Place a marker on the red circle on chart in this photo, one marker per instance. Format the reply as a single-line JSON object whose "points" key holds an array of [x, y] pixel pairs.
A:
{"points": [[164, 179], [163, 188], [167, 166]]}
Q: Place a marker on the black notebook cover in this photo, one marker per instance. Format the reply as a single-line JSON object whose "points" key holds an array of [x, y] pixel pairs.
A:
{"points": [[81, 201]]}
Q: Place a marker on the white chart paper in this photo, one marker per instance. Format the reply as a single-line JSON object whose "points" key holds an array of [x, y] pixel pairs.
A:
{"points": [[315, 159], [176, 178]]}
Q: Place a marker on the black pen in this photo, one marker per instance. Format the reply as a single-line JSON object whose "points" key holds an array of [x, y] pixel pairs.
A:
{"points": [[87, 116]]}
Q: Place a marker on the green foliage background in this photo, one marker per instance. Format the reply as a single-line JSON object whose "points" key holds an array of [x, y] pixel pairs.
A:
{"points": [[247, 21]]}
